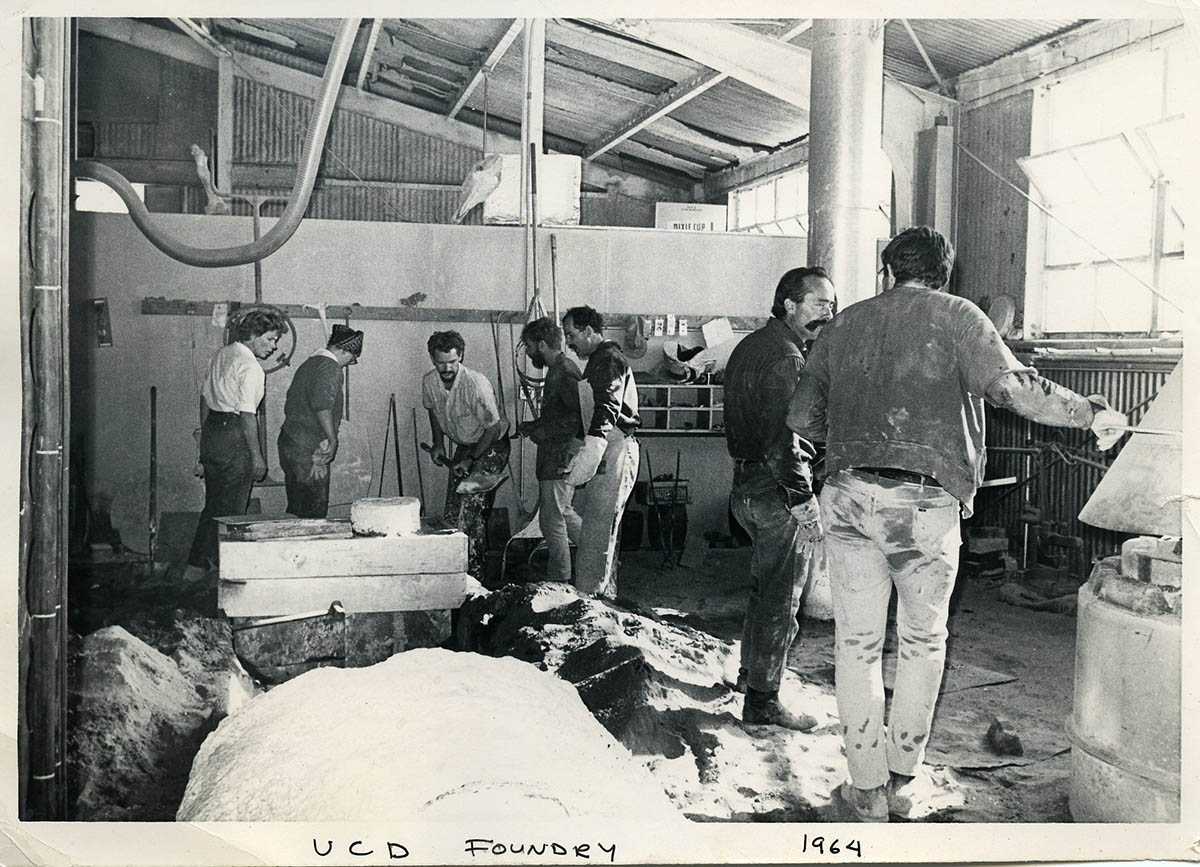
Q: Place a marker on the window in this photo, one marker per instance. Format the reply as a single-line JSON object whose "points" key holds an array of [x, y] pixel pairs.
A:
{"points": [[1104, 168], [779, 205]]}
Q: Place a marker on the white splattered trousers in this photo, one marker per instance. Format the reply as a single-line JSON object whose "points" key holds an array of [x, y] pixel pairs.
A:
{"points": [[882, 533]]}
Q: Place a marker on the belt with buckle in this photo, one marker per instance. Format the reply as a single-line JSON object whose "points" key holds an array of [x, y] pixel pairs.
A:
{"points": [[899, 475]]}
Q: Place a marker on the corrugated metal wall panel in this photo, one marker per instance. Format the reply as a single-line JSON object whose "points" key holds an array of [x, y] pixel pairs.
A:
{"points": [[270, 126], [380, 204], [992, 217], [1060, 490]]}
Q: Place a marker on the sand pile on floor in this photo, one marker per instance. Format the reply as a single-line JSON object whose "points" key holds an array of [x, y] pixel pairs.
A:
{"points": [[133, 716], [425, 735], [665, 690]]}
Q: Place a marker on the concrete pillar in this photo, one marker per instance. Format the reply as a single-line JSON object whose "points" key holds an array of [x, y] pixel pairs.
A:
{"points": [[845, 125]]}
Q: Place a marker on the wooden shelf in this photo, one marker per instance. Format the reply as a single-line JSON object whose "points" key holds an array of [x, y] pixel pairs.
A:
{"points": [[700, 405]]}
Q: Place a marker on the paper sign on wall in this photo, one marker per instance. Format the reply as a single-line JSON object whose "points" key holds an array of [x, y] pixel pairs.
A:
{"points": [[717, 331], [689, 217]]}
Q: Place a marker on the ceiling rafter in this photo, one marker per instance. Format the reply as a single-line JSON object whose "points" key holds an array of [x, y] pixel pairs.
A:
{"points": [[364, 65], [937, 76], [674, 98], [485, 67], [636, 177]]}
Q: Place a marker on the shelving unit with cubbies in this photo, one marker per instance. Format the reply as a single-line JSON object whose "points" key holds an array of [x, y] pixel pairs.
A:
{"points": [[691, 409]]}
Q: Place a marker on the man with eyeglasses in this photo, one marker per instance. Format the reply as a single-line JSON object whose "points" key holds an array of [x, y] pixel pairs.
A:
{"points": [[894, 389], [772, 495]]}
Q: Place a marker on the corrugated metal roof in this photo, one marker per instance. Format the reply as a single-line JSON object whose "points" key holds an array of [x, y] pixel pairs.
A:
{"points": [[598, 80], [956, 45]]}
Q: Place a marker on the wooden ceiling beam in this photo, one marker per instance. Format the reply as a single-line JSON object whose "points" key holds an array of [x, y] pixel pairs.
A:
{"points": [[486, 66], [364, 65], [677, 96]]}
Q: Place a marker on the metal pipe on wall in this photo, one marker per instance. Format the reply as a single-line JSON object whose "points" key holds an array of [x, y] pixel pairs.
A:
{"points": [[44, 692], [845, 126]]}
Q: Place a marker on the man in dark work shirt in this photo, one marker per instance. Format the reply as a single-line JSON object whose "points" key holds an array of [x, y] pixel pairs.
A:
{"points": [[772, 494], [308, 439], [608, 460], [558, 432]]}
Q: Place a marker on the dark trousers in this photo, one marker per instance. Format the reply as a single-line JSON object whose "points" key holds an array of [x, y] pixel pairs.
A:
{"points": [[306, 497], [228, 480], [470, 512], [779, 573]]}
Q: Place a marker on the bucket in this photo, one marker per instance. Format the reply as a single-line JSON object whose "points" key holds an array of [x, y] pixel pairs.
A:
{"points": [[1125, 725]]}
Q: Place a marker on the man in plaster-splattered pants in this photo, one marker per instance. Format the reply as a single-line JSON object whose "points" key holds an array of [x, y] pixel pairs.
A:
{"points": [[894, 387]]}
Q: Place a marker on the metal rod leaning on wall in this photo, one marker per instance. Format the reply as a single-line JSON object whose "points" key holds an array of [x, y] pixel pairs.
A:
{"points": [[152, 541], [306, 175], [45, 569], [396, 444], [417, 457]]}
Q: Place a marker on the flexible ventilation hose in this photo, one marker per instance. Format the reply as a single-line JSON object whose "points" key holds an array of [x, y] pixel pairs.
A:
{"points": [[224, 257]]}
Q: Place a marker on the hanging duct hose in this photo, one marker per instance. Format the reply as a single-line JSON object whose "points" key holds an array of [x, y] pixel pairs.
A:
{"points": [[224, 257]]}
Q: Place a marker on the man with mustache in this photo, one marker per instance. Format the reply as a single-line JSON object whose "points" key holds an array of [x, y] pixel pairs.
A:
{"points": [[772, 496], [558, 432]]}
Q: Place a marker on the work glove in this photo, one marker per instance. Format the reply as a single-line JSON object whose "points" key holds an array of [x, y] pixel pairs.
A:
{"points": [[324, 453], [1108, 424], [808, 516], [587, 460], [321, 458]]}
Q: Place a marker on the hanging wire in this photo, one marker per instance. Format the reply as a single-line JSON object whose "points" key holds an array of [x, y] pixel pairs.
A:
{"points": [[1065, 225], [487, 75]]}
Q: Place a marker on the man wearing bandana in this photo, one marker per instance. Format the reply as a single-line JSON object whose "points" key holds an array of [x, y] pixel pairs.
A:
{"points": [[772, 486], [558, 433], [308, 439]]}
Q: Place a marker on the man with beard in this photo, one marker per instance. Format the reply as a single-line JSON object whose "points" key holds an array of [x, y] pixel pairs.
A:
{"points": [[608, 460], [772, 495], [229, 445], [462, 406], [558, 432], [895, 389]]}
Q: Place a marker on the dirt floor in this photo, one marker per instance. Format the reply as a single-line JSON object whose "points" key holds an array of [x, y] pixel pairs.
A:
{"points": [[1002, 661]]}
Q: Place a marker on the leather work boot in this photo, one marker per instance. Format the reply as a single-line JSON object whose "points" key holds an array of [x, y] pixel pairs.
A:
{"points": [[862, 805], [764, 708]]}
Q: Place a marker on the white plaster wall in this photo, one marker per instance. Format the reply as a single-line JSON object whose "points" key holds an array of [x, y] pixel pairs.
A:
{"points": [[372, 264]]}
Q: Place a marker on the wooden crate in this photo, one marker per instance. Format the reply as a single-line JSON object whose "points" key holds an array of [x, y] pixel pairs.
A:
{"points": [[281, 565], [269, 597]]}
